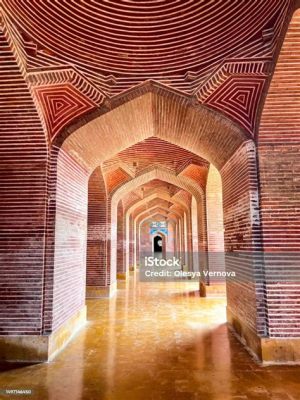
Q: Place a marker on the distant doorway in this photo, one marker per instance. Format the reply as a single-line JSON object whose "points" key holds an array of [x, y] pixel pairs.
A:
{"points": [[158, 244]]}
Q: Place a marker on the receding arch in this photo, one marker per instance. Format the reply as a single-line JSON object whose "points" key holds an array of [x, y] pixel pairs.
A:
{"points": [[171, 221], [132, 209], [156, 173], [147, 247], [141, 217]]}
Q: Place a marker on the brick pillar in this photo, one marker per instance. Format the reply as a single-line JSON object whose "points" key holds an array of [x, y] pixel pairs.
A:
{"points": [[128, 242], [279, 161], [176, 244], [245, 302], [145, 238], [131, 239], [215, 225], [121, 266], [97, 273], [137, 241], [188, 239], [111, 246], [181, 239], [26, 300], [67, 240], [195, 234], [171, 238]]}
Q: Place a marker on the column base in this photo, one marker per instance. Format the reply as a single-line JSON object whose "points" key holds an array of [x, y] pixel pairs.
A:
{"points": [[98, 292], [35, 348], [132, 268], [268, 351], [202, 289], [123, 276]]}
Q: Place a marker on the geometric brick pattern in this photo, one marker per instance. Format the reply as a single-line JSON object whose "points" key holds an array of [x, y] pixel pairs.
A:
{"points": [[60, 105], [62, 95], [89, 37], [239, 97], [239, 47]]}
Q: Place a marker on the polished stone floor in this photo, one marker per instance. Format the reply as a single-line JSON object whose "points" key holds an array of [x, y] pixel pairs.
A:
{"points": [[154, 341]]}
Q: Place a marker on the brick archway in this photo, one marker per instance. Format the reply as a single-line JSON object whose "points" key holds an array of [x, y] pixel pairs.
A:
{"points": [[154, 110], [156, 173]]}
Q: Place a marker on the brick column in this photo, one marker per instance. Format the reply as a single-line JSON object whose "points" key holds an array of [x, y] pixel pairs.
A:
{"points": [[97, 273], [121, 265], [131, 239], [245, 300], [278, 143], [215, 229]]}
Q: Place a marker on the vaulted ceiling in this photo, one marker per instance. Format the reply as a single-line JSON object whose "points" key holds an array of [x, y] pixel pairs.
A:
{"points": [[77, 54], [148, 154]]}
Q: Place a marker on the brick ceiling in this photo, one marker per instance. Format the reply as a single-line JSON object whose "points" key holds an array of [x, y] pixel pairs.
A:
{"points": [[155, 192], [119, 43], [150, 153], [78, 54]]}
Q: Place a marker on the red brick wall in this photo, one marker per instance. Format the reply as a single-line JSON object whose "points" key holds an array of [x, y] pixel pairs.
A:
{"points": [[279, 160], [23, 182]]}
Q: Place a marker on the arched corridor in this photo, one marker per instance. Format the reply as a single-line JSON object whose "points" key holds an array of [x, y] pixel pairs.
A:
{"points": [[149, 178]]}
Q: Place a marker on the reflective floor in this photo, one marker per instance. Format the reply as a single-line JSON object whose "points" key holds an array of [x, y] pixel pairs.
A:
{"points": [[154, 341]]}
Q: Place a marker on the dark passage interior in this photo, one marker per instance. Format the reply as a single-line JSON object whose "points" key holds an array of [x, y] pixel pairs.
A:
{"points": [[157, 244]]}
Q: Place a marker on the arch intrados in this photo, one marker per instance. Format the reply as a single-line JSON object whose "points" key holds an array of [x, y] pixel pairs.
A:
{"points": [[148, 110], [133, 207], [149, 197], [144, 210], [157, 173], [140, 215]]}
